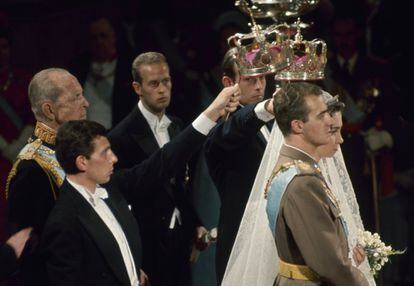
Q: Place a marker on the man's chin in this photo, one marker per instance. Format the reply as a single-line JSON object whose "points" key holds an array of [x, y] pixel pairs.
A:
{"points": [[256, 99], [106, 180]]}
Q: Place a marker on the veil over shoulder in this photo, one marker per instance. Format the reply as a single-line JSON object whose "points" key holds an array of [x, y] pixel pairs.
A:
{"points": [[254, 259]]}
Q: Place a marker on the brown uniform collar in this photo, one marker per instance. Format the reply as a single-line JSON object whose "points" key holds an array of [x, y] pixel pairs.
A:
{"points": [[296, 154]]}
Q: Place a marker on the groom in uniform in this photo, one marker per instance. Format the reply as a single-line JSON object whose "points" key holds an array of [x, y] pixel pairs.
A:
{"points": [[303, 213]]}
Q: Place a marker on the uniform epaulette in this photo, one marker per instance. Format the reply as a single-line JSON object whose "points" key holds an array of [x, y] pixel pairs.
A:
{"points": [[43, 157], [303, 168], [284, 167], [31, 150], [306, 168]]}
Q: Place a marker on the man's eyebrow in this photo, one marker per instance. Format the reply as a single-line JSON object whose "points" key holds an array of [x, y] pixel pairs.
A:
{"points": [[106, 149], [320, 114]]}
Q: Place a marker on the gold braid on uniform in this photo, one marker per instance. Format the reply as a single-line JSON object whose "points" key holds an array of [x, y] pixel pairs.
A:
{"points": [[275, 172], [45, 133], [304, 167], [34, 152]]}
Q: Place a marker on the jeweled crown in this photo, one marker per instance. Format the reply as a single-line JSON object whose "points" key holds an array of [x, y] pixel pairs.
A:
{"points": [[261, 51], [308, 61], [272, 50]]}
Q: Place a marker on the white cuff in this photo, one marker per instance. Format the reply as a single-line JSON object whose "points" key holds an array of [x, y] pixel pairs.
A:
{"points": [[203, 124], [262, 113]]}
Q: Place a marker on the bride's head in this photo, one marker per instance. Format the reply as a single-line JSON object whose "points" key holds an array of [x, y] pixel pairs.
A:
{"points": [[335, 140]]}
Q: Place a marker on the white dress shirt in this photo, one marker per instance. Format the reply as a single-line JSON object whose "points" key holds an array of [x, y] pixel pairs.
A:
{"points": [[96, 200], [160, 130], [98, 90], [159, 127], [351, 62]]}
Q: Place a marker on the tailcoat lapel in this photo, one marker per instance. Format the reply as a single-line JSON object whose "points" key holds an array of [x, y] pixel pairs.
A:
{"points": [[130, 228], [173, 130], [141, 133], [99, 232]]}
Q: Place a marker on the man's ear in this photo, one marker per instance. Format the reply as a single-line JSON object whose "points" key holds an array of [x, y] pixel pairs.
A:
{"points": [[296, 126], [81, 163], [137, 87], [48, 110], [227, 81]]}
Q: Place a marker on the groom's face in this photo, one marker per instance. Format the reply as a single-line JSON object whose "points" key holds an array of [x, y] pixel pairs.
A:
{"points": [[316, 130]]}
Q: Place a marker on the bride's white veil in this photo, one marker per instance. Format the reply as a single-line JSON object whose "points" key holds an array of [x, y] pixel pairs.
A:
{"points": [[254, 258]]}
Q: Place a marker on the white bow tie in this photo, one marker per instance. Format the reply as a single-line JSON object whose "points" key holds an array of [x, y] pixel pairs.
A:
{"points": [[100, 193]]}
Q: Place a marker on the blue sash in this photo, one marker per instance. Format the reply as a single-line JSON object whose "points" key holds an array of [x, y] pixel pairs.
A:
{"points": [[274, 194]]}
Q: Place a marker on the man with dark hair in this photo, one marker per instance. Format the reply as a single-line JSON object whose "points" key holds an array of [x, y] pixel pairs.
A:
{"points": [[233, 153], [169, 223], [91, 241], [303, 212], [252, 87], [32, 187], [88, 240], [291, 104]]}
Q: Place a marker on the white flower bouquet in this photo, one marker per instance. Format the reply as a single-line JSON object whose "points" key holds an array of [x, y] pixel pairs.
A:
{"points": [[376, 250]]}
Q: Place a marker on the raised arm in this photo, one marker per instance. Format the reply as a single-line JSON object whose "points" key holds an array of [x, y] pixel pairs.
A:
{"points": [[162, 164]]}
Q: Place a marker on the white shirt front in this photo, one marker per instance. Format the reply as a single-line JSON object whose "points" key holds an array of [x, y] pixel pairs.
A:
{"points": [[351, 62], [160, 130], [98, 90], [158, 127], [96, 200]]}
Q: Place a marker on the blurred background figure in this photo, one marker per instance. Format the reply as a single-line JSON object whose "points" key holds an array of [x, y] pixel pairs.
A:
{"points": [[16, 120], [367, 88], [105, 75]]}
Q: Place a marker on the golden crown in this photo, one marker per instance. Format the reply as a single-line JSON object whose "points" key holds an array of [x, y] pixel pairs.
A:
{"points": [[308, 61], [272, 50], [261, 52]]}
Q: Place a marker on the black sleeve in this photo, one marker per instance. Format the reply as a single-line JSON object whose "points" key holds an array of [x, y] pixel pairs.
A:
{"points": [[8, 262], [62, 249], [160, 166], [30, 198], [228, 136]]}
